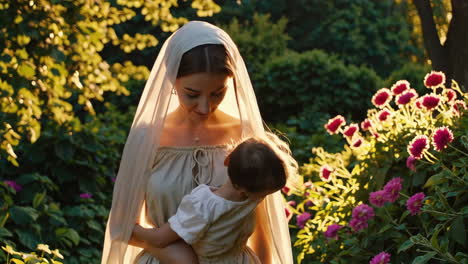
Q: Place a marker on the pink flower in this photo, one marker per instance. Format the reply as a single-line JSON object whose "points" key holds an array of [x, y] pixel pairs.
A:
{"points": [[382, 97], [363, 212], [356, 143], [377, 198], [309, 203], [382, 258], [450, 94], [392, 189], [406, 97], [418, 146], [366, 124], [308, 184], [325, 172], [400, 87], [332, 231], [414, 203], [334, 124], [441, 138], [434, 79], [358, 224], [285, 190], [430, 101], [86, 196], [457, 106], [384, 114], [292, 203], [17, 187], [302, 219], [350, 130], [411, 163]]}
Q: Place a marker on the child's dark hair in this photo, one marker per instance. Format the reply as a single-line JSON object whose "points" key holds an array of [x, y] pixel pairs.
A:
{"points": [[257, 166]]}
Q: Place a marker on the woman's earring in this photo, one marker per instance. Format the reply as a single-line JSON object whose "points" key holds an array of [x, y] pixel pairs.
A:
{"points": [[173, 91]]}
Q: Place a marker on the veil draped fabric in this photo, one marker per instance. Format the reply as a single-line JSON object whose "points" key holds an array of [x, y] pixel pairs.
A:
{"points": [[141, 145]]}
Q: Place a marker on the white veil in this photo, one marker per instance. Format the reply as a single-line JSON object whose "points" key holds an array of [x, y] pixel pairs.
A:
{"points": [[140, 149]]}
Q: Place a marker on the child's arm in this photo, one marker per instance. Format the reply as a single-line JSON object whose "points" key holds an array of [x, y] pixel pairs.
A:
{"points": [[156, 237]]}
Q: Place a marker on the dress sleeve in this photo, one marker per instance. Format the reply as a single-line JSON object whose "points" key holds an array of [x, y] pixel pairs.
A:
{"points": [[191, 219]]}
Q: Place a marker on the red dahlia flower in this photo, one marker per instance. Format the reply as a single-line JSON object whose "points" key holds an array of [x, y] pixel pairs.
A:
{"points": [[434, 79], [418, 146], [382, 97], [400, 87], [406, 97], [441, 138], [334, 124], [325, 172], [430, 101], [366, 124], [383, 114], [450, 94], [350, 130]]}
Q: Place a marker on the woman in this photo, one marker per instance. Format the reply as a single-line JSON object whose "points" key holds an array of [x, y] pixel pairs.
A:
{"points": [[186, 117]]}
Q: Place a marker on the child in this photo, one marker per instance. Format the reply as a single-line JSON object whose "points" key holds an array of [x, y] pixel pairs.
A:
{"points": [[217, 222]]}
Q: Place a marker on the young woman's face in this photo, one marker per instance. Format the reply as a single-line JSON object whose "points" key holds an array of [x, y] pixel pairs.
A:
{"points": [[201, 93]]}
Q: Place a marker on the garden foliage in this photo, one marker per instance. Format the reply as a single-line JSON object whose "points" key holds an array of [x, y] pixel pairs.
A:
{"points": [[397, 190]]}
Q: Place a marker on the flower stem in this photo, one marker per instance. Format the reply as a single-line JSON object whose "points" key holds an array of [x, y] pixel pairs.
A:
{"points": [[458, 150]]}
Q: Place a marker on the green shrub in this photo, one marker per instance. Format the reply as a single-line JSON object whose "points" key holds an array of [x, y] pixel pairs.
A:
{"points": [[304, 84]]}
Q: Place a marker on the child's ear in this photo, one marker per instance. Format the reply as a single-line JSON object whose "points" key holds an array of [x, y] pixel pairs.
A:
{"points": [[226, 161]]}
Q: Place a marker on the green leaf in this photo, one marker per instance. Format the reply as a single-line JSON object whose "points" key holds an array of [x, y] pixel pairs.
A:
{"points": [[435, 179], [28, 238], [434, 241], [385, 228], [38, 199], [23, 215], [406, 245], [64, 150], [68, 234], [424, 259], [26, 70], [5, 233], [457, 231]]}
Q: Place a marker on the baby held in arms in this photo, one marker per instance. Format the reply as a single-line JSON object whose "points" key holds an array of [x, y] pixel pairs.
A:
{"points": [[217, 222]]}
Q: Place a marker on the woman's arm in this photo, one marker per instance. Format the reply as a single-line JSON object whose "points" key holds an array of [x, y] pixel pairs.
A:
{"points": [[155, 237]]}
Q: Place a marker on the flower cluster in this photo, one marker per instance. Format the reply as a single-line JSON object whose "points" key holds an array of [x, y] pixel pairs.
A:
{"points": [[390, 193], [414, 203], [332, 231]]}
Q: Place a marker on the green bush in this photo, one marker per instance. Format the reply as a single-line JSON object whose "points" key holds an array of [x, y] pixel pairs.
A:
{"points": [[66, 181], [300, 85]]}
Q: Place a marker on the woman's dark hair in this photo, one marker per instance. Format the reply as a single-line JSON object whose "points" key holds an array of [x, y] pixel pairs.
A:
{"points": [[212, 58], [255, 166]]}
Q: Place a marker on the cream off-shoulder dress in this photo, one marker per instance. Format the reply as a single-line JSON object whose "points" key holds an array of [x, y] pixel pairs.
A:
{"points": [[180, 191]]}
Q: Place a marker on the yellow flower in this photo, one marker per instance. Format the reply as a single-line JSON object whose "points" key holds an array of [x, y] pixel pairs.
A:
{"points": [[44, 248], [56, 262], [10, 250], [57, 254]]}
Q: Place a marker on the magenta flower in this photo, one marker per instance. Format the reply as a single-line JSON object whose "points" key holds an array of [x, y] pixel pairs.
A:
{"points": [[434, 79], [382, 97], [332, 231], [86, 196], [334, 124], [302, 219], [366, 124], [441, 138], [392, 189], [430, 101], [406, 97], [309, 203], [418, 146], [382, 258], [457, 106], [356, 143], [411, 163], [17, 187], [363, 212], [285, 190], [350, 130], [325, 172], [358, 224], [414, 203], [450, 94], [400, 87], [377, 198], [384, 114]]}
